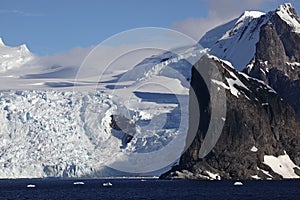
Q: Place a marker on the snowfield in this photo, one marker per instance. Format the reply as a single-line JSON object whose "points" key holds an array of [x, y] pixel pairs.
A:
{"points": [[59, 129]]}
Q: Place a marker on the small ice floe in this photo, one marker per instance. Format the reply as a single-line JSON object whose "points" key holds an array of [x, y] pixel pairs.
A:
{"points": [[108, 184], [237, 183], [30, 186], [256, 177], [213, 176], [78, 183]]}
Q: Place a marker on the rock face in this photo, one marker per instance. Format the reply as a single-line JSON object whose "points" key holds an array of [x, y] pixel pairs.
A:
{"points": [[265, 46], [124, 128], [258, 123], [261, 135], [277, 56]]}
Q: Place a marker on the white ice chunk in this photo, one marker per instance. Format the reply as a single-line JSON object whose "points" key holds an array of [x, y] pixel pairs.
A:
{"points": [[256, 177], [213, 176]]}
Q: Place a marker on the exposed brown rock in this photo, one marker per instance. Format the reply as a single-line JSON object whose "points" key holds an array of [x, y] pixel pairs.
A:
{"points": [[258, 117]]}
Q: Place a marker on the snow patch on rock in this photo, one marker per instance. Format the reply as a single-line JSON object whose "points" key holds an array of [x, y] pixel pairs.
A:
{"points": [[254, 149], [285, 12], [282, 165]]}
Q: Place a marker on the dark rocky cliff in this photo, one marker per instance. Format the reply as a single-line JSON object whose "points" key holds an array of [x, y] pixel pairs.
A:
{"points": [[277, 57], [258, 123]]}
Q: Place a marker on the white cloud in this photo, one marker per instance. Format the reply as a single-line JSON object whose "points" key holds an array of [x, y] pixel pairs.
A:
{"points": [[73, 57], [93, 62], [197, 27], [19, 12], [120, 52]]}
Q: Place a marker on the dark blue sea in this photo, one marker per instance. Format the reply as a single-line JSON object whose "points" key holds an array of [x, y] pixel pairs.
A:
{"points": [[147, 189]]}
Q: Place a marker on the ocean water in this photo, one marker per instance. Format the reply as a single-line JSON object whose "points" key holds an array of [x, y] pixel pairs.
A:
{"points": [[147, 189]]}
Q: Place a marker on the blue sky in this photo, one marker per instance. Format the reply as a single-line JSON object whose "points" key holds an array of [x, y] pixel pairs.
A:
{"points": [[51, 27]]}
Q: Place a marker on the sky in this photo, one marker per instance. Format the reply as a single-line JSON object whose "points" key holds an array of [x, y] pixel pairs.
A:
{"points": [[57, 26]]}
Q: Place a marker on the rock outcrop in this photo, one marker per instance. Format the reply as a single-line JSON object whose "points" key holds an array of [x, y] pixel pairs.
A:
{"points": [[124, 129], [258, 123], [277, 56], [265, 46]]}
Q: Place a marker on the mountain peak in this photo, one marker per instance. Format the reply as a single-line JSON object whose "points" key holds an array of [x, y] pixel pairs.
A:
{"points": [[1, 42], [239, 35], [236, 40], [288, 13], [251, 14], [13, 57], [286, 7], [24, 48]]}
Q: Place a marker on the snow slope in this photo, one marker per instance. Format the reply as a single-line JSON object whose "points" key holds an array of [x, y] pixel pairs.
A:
{"points": [[239, 35]]}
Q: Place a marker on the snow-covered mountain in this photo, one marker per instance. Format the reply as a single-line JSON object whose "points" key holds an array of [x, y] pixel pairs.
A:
{"points": [[265, 46], [236, 41], [239, 35], [260, 138], [258, 129], [137, 121], [14, 57]]}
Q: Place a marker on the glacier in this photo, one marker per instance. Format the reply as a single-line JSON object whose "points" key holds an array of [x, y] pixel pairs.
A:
{"points": [[66, 134], [59, 129]]}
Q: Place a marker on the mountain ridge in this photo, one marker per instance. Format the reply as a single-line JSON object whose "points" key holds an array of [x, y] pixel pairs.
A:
{"points": [[259, 43], [235, 41], [261, 137]]}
